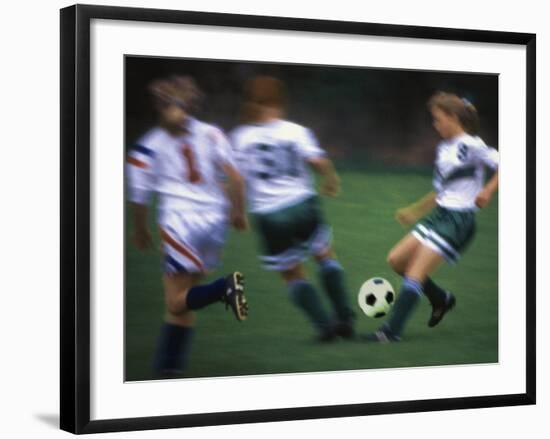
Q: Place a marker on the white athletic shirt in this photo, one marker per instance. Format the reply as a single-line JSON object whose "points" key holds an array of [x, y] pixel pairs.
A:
{"points": [[459, 173], [185, 171], [272, 157]]}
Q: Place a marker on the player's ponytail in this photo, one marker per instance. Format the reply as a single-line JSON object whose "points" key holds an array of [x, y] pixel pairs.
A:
{"points": [[462, 108], [469, 118]]}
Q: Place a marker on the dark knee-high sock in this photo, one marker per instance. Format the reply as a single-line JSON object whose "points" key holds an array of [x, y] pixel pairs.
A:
{"points": [[172, 350], [332, 277], [435, 294], [305, 297], [202, 295], [406, 302]]}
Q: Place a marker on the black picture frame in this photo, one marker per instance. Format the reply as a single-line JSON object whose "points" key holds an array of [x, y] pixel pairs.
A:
{"points": [[76, 210]]}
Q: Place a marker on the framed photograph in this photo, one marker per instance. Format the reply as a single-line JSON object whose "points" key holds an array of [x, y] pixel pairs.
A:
{"points": [[268, 219]]}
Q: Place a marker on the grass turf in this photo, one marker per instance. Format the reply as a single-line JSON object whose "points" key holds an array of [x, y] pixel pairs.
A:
{"points": [[276, 338]]}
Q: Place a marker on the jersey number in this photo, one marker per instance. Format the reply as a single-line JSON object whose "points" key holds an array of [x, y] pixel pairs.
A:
{"points": [[462, 152], [277, 161], [193, 175]]}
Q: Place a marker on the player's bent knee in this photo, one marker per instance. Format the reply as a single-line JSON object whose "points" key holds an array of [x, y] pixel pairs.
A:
{"points": [[186, 318], [395, 262], [293, 274], [176, 303], [326, 254], [175, 307], [391, 260]]}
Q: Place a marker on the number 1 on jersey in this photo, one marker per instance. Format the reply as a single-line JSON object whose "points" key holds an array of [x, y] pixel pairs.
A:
{"points": [[193, 175]]}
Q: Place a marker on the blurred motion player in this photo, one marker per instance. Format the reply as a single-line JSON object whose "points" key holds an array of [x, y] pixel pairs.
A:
{"points": [[188, 164]]}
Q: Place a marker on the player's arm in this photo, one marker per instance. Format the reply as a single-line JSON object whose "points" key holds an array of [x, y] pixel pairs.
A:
{"points": [[235, 190], [485, 195], [323, 166], [140, 187], [488, 156], [410, 214], [235, 185], [141, 237], [316, 158]]}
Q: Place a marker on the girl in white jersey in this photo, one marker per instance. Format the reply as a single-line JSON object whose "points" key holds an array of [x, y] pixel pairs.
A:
{"points": [[183, 160], [459, 190], [275, 156]]}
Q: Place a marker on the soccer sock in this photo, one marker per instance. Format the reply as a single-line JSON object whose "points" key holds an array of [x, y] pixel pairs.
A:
{"points": [[304, 296], [332, 277], [202, 295], [406, 302], [172, 350], [435, 294]]}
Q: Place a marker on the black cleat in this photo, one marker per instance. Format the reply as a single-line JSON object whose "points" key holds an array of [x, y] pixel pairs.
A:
{"points": [[326, 336], [380, 336], [438, 312], [345, 329], [234, 296]]}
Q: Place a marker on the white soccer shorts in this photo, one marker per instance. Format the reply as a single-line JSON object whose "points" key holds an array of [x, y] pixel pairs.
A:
{"points": [[192, 241]]}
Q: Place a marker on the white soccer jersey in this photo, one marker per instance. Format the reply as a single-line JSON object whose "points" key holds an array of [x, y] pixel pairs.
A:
{"points": [[459, 173], [272, 157], [185, 170]]}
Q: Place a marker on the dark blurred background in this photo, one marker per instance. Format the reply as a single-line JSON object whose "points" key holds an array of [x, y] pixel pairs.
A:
{"points": [[365, 116]]}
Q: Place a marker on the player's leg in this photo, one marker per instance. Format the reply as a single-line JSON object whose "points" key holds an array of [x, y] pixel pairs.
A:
{"points": [[174, 343], [425, 262], [440, 299], [403, 253], [193, 244], [303, 294], [190, 249], [284, 253], [399, 259], [448, 232], [315, 234], [332, 278], [183, 296]]}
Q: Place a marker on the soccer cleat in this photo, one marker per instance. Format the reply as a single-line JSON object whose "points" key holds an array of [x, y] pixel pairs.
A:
{"points": [[381, 336], [327, 335], [345, 329], [438, 312], [234, 296]]}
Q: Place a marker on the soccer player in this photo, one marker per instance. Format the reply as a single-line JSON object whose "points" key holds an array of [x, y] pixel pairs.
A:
{"points": [[459, 191], [185, 162], [275, 156]]}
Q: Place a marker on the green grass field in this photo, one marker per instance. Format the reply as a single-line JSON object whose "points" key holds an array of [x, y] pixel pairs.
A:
{"points": [[276, 338]]}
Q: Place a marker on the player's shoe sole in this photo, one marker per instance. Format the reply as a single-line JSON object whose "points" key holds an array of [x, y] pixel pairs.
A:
{"points": [[439, 312], [234, 296], [380, 336]]}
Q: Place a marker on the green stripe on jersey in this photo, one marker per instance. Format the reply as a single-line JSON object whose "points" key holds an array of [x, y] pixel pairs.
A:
{"points": [[466, 172]]}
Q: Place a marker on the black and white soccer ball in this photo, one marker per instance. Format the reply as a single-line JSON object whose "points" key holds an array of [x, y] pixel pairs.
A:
{"points": [[376, 296]]}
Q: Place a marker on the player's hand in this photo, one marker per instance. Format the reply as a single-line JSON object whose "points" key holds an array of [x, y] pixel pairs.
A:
{"points": [[483, 199], [142, 239], [239, 221], [331, 186], [406, 216]]}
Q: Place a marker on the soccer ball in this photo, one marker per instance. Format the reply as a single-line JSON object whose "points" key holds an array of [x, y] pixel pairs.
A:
{"points": [[376, 297]]}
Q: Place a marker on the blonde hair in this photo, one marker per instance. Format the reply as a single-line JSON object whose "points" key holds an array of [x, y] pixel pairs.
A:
{"points": [[462, 108]]}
